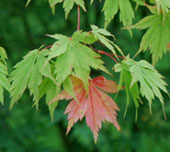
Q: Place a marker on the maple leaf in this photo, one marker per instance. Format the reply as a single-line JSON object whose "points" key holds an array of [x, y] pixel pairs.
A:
{"points": [[4, 82], [96, 107], [111, 8], [29, 73], [67, 5], [49, 89], [73, 57], [101, 36], [151, 82], [157, 36]]}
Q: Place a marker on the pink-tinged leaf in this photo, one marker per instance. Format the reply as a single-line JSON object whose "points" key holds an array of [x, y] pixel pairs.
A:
{"points": [[96, 106], [76, 111], [106, 85], [100, 107]]}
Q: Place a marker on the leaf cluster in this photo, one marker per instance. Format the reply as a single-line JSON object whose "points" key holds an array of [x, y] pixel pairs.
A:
{"points": [[63, 71], [140, 79]]}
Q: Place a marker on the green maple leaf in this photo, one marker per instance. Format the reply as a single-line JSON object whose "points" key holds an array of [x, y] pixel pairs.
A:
{"points": [[67, 5], [50, 90], [74, 58], [157, 36], [101, 35], [28, 73], [141, 78], [85, 37], [4, 82], [125, 80], [111, 8], [163, 5]]}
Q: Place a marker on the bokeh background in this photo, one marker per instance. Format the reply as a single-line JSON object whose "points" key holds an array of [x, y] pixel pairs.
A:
{"points": [[23, 129]]}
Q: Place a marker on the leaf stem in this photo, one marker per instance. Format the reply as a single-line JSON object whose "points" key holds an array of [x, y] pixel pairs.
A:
{"points": [[121, 57], [108, 54], [99, 51], [47, 47], [78, 18]]}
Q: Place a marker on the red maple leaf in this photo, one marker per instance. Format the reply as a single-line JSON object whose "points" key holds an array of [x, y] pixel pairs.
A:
{"points": [[97, 106]]}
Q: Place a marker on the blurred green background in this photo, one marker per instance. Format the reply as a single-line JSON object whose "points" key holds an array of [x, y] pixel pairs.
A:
{"points": [[23, 129]]}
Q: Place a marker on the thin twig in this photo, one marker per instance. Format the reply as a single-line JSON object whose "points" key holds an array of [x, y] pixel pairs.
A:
{"points": [[78, 18], [102, 52], [121, 57], [101, 43], [94, 49], [47, 47], [98, 51]]}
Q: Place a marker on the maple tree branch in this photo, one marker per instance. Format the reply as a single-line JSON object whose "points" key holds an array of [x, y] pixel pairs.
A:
{"points": [[78, 18]]}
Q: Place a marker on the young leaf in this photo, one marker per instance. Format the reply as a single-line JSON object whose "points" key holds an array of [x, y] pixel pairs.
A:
{"points": [[125, 79], [100, 35], [84, 37], [28, 74], [4, 82], [143, 73], [157, 36], [111, 8], [74, 58], [96, 107]]}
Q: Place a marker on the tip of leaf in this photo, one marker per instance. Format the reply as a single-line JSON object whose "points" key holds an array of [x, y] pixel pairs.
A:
{"points": [[11, 106], [136, 115], [27, 3]]}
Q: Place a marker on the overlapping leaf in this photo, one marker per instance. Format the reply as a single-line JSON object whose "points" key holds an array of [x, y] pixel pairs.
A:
{"points": [[49, 89], [4, 82], [73, 57], [157, 36], [163, 6], [111, 8], [101, 36], [96, 107], [125, 79], [67, 5], [141, 78], [28, 73]]}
